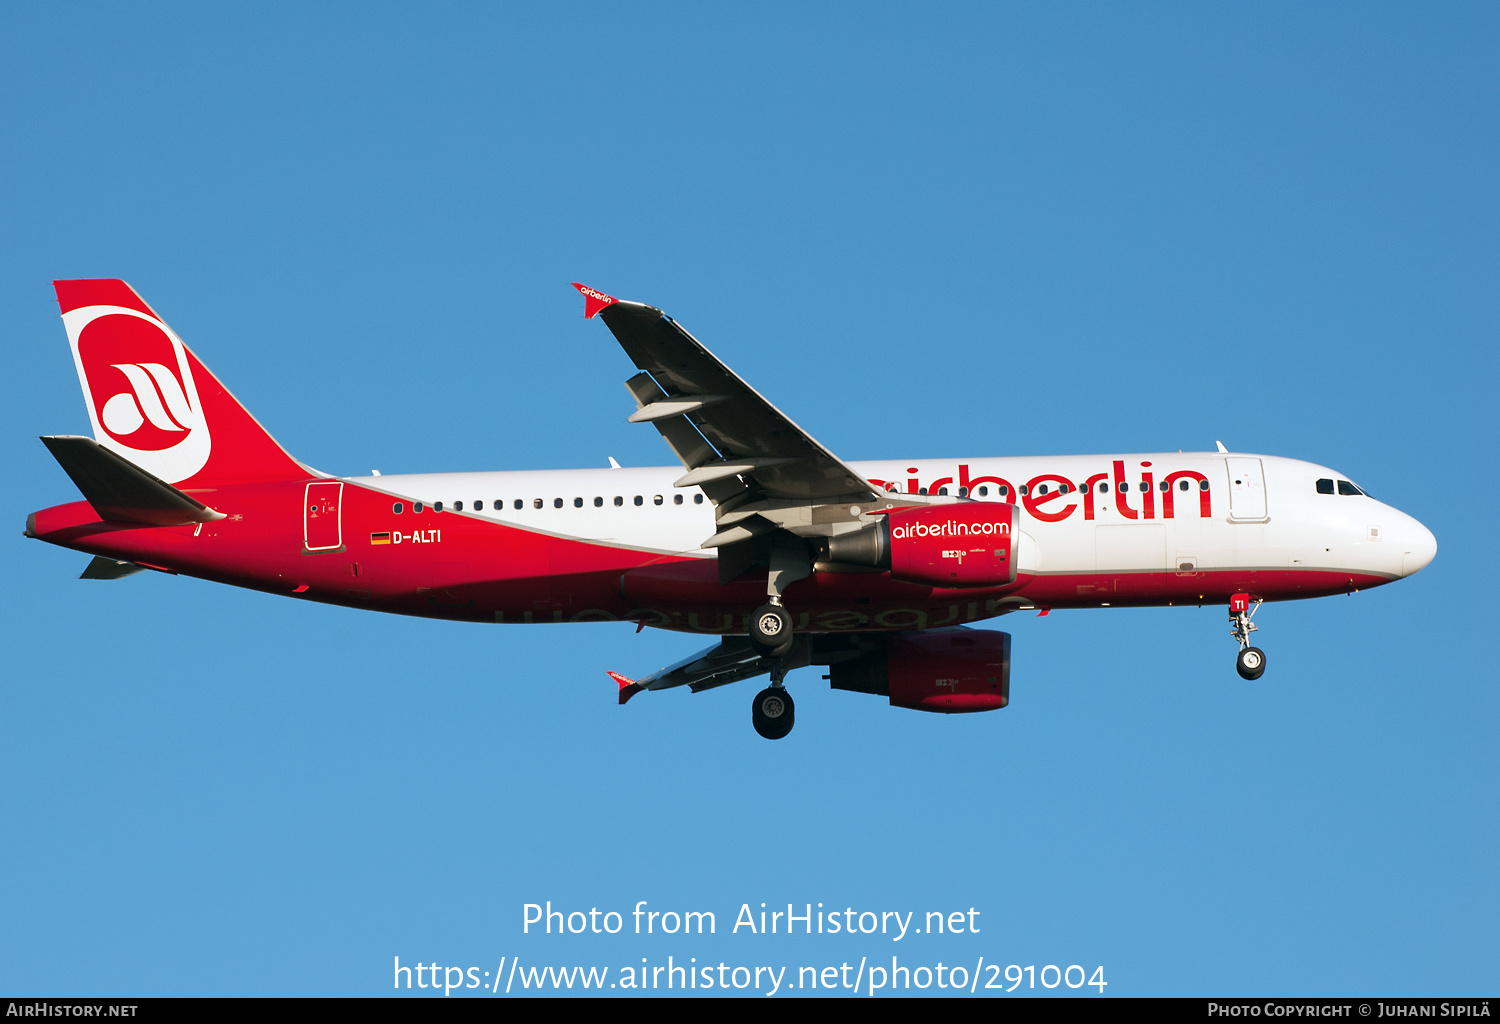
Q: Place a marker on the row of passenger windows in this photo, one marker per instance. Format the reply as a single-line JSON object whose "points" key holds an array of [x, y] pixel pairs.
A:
{"points": [[520, 503], [1344, 486], [983, 490]]}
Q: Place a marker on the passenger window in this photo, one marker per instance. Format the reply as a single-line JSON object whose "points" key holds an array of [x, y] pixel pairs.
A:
{"points": [[639, 500], [1345, 487], [437, 506], [519, 503], [697, 499], [1325, 486], [921, 490], [1063, 489], [536, 502], [1165, 486], [598, 502], [1104, 488], [578, 503], [1202, 485], [1182, 485], [557, 503], [619, 501], [677, 499], [458, 506], [942, 490], [1040, 490], [398, 508], [1025, 489], [963, 492], [657, 499], [416, 506], [984, 492], [1004, 491]]}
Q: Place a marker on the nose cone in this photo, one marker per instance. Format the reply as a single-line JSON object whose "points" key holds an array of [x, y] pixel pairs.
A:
{"points": [[1417, 548]]}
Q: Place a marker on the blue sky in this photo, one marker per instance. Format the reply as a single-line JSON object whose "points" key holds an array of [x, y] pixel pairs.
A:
{"points": [[977, 230]]}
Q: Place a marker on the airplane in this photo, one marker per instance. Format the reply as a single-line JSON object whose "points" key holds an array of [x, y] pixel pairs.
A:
{"points": [[763, 539]]}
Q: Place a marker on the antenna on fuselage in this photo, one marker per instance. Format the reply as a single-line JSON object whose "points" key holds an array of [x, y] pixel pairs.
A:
{"points": [[1220, 446], [612, 463]]}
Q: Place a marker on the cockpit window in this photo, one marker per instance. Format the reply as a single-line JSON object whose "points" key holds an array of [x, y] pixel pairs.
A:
{"points": [[1345, 487], [1325, 486]]}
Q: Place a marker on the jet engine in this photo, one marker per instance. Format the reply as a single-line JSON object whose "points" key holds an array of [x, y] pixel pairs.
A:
{"points": [[971, 544], [949, 671]]}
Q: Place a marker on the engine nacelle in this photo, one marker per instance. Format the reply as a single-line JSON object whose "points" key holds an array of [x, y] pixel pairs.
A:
{"points": [[970, 544], [950, 671]]}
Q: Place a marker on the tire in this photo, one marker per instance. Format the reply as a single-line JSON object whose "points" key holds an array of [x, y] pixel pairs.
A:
{"points": [[1250, 663], [771, 630], [773, 714]]}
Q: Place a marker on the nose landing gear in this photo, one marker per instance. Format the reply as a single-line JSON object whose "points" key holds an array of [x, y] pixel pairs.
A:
{"points": [[1250, 663]]}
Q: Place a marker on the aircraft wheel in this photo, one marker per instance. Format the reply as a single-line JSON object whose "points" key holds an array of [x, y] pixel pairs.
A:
{"points": [[773, 712], [1250, 663], [771, 630]]}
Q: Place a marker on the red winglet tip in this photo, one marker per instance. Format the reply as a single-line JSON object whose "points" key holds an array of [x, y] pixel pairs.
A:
{"points": [[594, 301], [1045, 611], [628, 687]]}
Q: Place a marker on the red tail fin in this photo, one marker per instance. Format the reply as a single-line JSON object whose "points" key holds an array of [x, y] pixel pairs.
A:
{"points": [[151, 401]]}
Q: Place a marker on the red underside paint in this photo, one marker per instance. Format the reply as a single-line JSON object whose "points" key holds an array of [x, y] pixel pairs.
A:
{"points": [[454, 566]]}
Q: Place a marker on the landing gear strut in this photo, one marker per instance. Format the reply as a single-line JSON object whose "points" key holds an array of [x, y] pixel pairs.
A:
{"points": [[772, 638], [1250, 663], [773, 712]]}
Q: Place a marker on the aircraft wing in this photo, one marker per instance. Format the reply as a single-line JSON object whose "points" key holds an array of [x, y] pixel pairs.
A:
{"points": [[728, 661], [735, 445]]}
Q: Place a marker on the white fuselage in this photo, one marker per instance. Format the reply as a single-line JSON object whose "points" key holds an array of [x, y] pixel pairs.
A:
{"points": [[1266, 512]]}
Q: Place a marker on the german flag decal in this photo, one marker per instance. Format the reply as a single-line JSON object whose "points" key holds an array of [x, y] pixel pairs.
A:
{"points": [[380, 538]]}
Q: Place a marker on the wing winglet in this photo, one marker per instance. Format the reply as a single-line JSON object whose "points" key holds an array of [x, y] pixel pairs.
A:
{"points": [[628, 687], [594, 301]]}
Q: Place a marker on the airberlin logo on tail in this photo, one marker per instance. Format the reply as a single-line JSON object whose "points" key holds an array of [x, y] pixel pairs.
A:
{"points": [[155, 395], [139, 388]]}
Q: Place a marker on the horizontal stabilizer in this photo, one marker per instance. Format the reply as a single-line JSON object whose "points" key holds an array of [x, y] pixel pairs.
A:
{"points": [[102, 568], [121, 491]]}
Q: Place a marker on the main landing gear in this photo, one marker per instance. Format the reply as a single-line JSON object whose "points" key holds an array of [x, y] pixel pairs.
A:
{"points": [[1250, 663], [771, 630], [773, 712], [772, 638]]}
